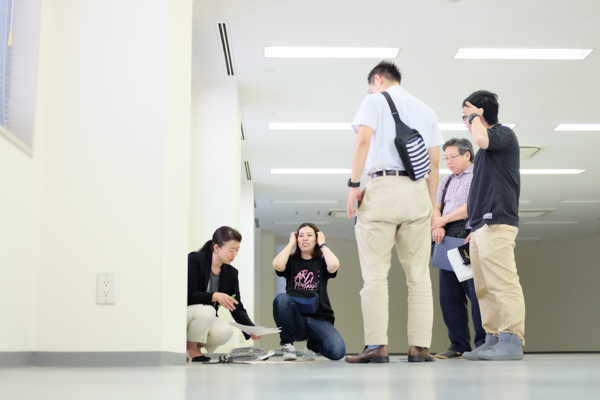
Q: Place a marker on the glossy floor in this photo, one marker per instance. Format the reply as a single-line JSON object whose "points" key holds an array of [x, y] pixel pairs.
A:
{"points": [[565, 376]]}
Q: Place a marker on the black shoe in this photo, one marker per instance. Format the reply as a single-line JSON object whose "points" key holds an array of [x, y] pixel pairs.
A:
{"points": [[201, 359], [448, 354]]}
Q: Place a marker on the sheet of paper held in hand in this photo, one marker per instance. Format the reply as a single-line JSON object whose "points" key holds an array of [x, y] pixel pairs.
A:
{"points": [[255, 330]]}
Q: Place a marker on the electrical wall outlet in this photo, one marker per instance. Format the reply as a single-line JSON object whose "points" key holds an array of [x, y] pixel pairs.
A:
{"points": [[106, 288]]}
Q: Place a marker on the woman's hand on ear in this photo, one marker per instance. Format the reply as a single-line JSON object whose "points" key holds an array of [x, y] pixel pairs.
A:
{"points": [[320, 238]]}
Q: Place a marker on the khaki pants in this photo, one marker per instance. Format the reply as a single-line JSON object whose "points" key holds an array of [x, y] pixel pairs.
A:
{"points": [[395, 210], [205, 327], [497, 284]]}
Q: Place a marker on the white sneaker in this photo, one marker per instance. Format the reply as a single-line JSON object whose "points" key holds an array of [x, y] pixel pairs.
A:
{"points": [[289, 352], [308, 355]]}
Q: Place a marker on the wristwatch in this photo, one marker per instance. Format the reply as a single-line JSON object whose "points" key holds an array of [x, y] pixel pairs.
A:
{"points": [[472, 116], [323, 245], [352, 184]]}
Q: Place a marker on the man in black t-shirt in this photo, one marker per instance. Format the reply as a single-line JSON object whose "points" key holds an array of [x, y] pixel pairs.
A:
{"points": [[493, 207]]}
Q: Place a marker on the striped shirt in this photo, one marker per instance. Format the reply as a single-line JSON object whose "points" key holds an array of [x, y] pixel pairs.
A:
{"points": [[458, 191]]}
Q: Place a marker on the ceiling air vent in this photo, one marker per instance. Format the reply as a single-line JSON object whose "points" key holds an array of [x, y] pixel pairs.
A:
{"points": [[248, 172], [535, 213], [242, 130], [530, 150], [256, 223], [226, 51]]}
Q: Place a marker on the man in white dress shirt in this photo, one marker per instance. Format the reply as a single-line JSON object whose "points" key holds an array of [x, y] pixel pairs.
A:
{"points": [[393, 210]]}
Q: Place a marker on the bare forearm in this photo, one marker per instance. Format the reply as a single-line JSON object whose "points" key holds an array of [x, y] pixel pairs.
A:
{"points": [[331, 260], [361, 151], [281, 260], [457, 215], [479, 133], [434, 174]]}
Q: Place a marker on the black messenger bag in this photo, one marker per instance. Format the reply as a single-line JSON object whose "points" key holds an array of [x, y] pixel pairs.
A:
{"points": [[410, 145]]}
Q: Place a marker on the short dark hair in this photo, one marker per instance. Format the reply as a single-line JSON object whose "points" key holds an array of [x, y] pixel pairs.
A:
{"points": [[488, 101], [388, 70], [463, 145], [317, 253], [221, 236]]}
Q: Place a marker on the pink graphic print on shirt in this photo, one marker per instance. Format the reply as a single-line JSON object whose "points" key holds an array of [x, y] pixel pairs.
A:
{"points": [[304, 280]]}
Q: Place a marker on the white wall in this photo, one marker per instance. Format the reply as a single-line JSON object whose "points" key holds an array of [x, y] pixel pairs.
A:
{"points": [[107, 189], [20, 182]]}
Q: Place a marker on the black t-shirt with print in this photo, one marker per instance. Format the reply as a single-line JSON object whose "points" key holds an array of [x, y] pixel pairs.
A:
{"points": [[310, 275], [496, 184]]}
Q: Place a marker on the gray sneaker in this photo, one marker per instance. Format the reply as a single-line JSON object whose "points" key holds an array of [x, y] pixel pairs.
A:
{"points": [[490, 341], [509, 347], [289, 352]]}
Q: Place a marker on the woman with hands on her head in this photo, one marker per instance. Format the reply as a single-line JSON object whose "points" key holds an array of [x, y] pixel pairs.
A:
{"points": [[304, 312], [213, 283]]}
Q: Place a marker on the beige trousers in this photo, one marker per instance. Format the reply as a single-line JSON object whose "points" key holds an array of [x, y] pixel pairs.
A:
{"points": [[395, 210], [205, 327], [497, 285]]}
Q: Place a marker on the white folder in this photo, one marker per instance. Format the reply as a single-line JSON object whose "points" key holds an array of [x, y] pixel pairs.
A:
{"points": [[462, 271]]}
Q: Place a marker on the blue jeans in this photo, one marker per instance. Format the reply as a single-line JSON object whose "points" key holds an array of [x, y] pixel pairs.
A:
{"points": [[453, 300], [322, 337]]}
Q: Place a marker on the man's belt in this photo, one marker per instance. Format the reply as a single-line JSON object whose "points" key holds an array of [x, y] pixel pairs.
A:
{"points": [[395, 173]]}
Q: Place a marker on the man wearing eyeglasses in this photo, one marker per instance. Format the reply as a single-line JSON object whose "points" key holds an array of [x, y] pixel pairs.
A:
{"points": [[493, 208], [393, 210], [450, 219]]}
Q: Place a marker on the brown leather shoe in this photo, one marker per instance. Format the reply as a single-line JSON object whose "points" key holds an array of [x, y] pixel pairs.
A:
{"points": [[419, 354], [378, 355]]}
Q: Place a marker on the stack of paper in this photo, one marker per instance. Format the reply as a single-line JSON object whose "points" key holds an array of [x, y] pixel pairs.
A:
{"points": [[255, 330]]}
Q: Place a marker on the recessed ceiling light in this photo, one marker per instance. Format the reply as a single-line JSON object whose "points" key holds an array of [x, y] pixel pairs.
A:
{"points": [[299, 222], [310, 126], [578, 127], [306, 202], [549, 222], [580, 201], [310, 171], [462, 127], [551, 171], [522, 54], [332, 52]]}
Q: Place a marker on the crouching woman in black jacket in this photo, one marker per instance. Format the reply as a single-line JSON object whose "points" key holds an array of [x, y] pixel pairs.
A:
{"points": [[212, 283]]}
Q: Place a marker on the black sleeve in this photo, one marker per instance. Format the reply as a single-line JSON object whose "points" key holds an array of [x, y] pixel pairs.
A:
{"points": [[196, 294], [239, 314], [500, 139]]}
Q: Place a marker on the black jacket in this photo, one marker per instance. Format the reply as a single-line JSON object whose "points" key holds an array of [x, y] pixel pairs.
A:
{"points": [[199, 264]]}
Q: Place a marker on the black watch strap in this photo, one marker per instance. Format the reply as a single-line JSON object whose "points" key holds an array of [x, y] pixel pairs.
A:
{"points": [[472, 116], [353, 184], [323, 245]]}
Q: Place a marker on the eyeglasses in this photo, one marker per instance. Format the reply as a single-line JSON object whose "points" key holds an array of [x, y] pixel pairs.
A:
{"points": [[370, 83], [464, 118], [451, 158]]}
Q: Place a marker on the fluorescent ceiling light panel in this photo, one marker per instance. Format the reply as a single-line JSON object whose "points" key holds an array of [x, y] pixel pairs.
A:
{"points": [[306, 201], [580, 201], [522, 54], [462, 127], [299, 222], [332, 52], [526, 201], [300, 171], [578, 127], [310, 171], [550, 222], [305, 126], [551, 171]]}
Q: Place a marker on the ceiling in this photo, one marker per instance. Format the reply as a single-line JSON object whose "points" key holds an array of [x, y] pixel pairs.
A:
{"points": [[535, 95]]}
